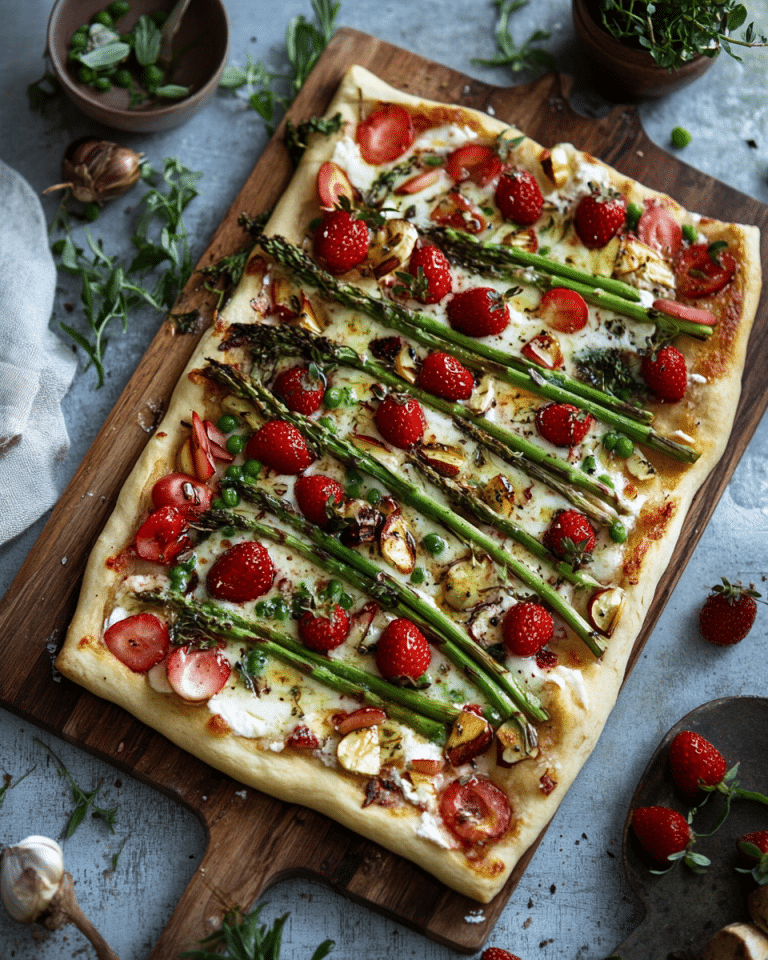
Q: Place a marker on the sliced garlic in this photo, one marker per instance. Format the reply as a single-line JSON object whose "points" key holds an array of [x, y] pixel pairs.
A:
{"points": [[359, 751]]}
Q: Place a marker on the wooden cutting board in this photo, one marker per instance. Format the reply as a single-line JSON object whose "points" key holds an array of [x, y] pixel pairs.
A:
{"points": [[255, 840]]}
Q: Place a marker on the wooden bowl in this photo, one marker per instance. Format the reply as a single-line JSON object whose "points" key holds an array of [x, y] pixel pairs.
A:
{"points": [[622, 72], [203, 36]]}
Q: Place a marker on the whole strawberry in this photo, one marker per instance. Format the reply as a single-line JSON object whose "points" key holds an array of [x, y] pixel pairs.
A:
{"points": [[695, 763], [570, 537], [431, 272], [727, 615], [478, 312], [444, 376], [753, 848], [313, 494], [563, 424], [322, 634], [400, 420], [666, 373], [526, 628], [402, 651], [281, 447], [341, 241], [599, 217], [497, 953], [243, 572], [663, 833], [300, 390], [518, 197]]}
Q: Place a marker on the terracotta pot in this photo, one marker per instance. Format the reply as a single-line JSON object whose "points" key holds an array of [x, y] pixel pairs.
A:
{"points": [[623, 72]]}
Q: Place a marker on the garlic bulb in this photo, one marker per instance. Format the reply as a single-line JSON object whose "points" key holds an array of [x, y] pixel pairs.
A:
{"points": [[30, 874], [98, 170]]}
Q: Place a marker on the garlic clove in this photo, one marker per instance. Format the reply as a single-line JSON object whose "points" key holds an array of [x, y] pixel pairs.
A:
{"points": [[30, 874], [98, 170]]}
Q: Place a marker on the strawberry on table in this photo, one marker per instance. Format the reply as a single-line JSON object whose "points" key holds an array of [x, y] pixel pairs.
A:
{"points": [[400, 420], [570, 537], [243, 572], [281, 447], [322, 634], [446, 377], [341, 241], [753, 849], [402, 651], [728, 613], [312, 495], [497, 953], [527, 627], [478, 312], [431, 271], [599, 216], [300, 390], [518, 197], [695, 763], [666, 373], [564, 310], [662, 832], [563, 424]]}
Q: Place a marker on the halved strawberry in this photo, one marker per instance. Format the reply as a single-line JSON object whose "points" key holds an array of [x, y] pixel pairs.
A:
{"points": [[302, 738], [243, 572], [563, 424], [300, 390], [456, 211], [527, 627], [139, 641], [444, 376], [599, 216], [659, 230], [385, 134], [333, 184], [518, 197], [478, 312], [322, 634], [313, 494], [196, 674], [359, 719], [400, 420], [179, 490], [666, 373], [341, 241], [281, 447], [703, 269], [418, 182], [564, 310], [544, 350], [163, 535], [475, 810], [431, 270], [402, 651], [476, 162]]}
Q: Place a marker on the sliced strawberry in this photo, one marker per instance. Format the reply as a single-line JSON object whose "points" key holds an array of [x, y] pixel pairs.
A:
{"points": [[599, 217], [385, 134], [444, 376], [475, 810], [345, 723], [313, 494], [341, 241], [217, 442], [695, 763], [527, 627], [281, 447], [402, 651], [431, 270], [400, 420], [544, 350], [683, 311], [418, 182], [478, 312], [518, 197], [570, 537], [302, 738], [563, 424], [300, 390], [322, 634], [243, 572], [474, 161], [457, 212], [333, 184], [195, 674], [701, 270], [564, 310], [666, 374], [139, 641], [659, 230], [163, 535], [179, 490]]}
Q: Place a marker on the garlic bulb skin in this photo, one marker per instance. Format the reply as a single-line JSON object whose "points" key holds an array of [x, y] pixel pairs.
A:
{"points": [[30, 874]]}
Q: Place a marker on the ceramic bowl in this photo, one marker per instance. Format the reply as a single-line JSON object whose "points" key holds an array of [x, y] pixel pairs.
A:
{"points": [[625, 73], [202, 36]]}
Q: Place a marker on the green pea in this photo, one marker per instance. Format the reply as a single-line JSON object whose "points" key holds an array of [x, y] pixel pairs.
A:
{"points": [[690, 233], [254, 662], [227, 423], [281, 609], [85, 75], [122, 78], [434, 543], [236, 443], [328, 423], [101, 84], [418, 575], [91, 211], [610, 440], [79, 41], [104, 19], [118, 8], [625, 447], [680, 137], [373, 496], [159, 17], [589, 464], [333, 397], [618, 532], [234, 472], [230, 496], [604, 478], [345, 601], [251, 469], [218, 504], [634, 212], [152, 77]]}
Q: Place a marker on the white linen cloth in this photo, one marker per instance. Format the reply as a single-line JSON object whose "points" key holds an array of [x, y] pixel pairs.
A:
{"points": [[36, 368]]}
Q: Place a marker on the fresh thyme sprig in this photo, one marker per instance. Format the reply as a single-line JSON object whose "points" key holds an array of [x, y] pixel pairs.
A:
{"points": [[527, 57]]}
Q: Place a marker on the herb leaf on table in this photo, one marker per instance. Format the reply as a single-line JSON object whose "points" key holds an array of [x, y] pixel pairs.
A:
{"points": [[527, 57], [84, 800]]}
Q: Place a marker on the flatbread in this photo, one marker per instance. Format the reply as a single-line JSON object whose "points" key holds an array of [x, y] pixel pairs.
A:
{"points": [[243, 732]]}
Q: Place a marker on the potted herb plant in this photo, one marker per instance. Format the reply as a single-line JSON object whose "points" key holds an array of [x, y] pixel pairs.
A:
{"points": [[648, 48]]}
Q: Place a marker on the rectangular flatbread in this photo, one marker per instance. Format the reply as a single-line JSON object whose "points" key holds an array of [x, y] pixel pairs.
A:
{"points": [[390, 548]]}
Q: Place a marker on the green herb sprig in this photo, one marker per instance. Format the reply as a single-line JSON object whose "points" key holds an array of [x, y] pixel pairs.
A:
{"points": [[84, 800], [9, 783], [527, 57]]}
